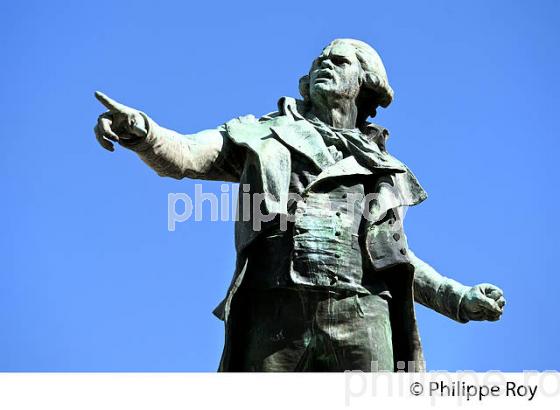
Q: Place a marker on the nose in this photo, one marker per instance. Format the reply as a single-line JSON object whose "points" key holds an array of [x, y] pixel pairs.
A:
{"points": [[326, 63]]}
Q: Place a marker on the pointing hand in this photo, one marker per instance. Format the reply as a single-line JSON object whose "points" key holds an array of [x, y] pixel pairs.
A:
{"points": [[120, 124]]}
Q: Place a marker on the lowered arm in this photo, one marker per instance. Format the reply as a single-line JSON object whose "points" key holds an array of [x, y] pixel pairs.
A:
{"points": [[437, 292]]}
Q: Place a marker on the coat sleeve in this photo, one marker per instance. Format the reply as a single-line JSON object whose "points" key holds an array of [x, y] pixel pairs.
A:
{"points": [[437, 292], [208, 154]]}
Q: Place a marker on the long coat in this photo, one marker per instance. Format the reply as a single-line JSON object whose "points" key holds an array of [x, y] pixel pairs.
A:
{"points": [[257, 154]]}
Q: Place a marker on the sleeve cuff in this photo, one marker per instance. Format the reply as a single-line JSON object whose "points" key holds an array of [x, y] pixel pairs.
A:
{"points": [[450, 295]]}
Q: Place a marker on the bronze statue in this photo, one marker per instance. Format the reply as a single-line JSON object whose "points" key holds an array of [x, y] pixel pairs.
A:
{"points": [[325, 281]]}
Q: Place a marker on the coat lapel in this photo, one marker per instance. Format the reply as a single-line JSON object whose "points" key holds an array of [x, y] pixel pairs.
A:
{"points": [[304, 138], [344, 167]]}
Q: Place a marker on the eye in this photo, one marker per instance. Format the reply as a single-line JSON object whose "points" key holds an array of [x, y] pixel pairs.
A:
{"points": [[337, 60]]}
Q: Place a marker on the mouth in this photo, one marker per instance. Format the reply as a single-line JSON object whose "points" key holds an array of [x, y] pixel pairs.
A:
{"points": [[324, 75]]}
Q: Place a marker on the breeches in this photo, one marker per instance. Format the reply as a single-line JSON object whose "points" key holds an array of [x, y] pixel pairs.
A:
{"points": [[280, 330]]}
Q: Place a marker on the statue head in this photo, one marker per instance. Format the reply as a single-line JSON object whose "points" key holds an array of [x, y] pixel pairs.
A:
{"points": [[348, 69]]}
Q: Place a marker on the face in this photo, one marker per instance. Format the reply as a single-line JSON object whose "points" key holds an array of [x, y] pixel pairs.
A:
{"points": [[335, 73]]}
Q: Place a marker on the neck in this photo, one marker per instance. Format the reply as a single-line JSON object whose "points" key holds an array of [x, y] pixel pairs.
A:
{"points": [[338, 114]]}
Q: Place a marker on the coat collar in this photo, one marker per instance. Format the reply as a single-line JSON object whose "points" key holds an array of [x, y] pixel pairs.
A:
{"points": [[300, 134]]}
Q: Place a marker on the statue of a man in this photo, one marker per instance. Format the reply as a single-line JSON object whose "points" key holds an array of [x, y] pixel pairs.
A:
{"points": [[327, 281]]}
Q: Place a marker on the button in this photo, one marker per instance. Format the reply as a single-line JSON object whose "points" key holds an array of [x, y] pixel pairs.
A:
{"points": [[391, 221], [396, 236], [338, 213], [336, 255], [344, 196], [403, 251], [337, 233]]}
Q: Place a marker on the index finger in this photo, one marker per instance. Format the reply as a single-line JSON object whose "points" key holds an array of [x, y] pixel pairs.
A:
{"points": [[109, 103]]}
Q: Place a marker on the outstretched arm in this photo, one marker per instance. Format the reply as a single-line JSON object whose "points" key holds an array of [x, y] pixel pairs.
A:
{"points": [[451, 298], [204, 155]]}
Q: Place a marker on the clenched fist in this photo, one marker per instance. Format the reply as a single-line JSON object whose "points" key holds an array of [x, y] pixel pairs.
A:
{"points": [[482, 302], [120, 124]]}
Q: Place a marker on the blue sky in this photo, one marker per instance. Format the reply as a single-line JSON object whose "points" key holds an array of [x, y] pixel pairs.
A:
{"points": [[90, 278]]}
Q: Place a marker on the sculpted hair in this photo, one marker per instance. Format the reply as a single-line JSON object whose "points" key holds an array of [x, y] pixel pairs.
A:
{"points": [[375, 90]]}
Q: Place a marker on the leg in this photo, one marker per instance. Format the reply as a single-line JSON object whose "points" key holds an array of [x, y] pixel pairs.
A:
{"points": [[357, 334], [271, 332]]}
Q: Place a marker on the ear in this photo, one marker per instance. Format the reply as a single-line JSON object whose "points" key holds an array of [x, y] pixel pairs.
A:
{"points": [[304, 87], [371, 80]]}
